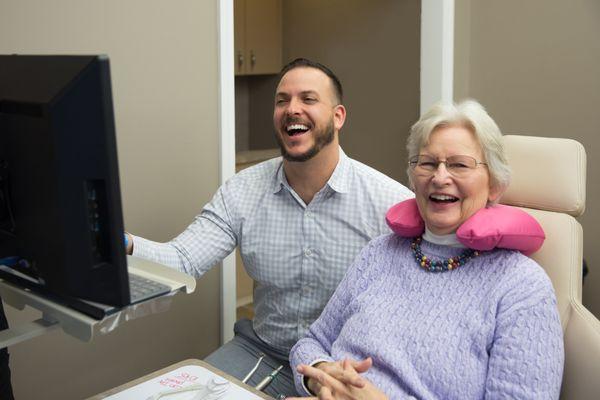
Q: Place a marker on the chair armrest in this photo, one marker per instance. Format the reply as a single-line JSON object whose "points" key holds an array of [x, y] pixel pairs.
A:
{"points": [[582, 355]]}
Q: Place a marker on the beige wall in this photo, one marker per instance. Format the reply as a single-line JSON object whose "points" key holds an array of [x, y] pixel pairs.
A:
{"points": [[373, 47], [534, 65], [164, 73]]}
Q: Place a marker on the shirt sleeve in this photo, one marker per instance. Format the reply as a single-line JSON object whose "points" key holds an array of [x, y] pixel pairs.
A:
{"points": [[205, 242], [527, 354], [316, 345]]}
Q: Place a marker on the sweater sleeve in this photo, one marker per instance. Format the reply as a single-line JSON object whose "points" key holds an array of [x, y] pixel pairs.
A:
{"points": [[527, 355], [318, 342]]}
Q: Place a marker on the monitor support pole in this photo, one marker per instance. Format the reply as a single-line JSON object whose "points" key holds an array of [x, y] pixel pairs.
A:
{"points": [[21, 333]]}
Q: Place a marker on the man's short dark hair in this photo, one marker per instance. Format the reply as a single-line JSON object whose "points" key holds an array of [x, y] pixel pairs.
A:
{"points": [[306, 63]]}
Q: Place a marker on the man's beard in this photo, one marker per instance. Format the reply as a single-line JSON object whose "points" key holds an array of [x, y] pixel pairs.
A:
{"points": [[322, 138]]}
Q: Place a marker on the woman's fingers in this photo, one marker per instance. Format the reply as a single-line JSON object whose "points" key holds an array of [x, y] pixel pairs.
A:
{"points": [[323, 379], [346, 374], [362, 365], [325, 394], [350, 375]]}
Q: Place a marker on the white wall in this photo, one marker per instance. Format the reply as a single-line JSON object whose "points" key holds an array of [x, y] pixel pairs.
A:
{"points": [[164, 61], [437, 52]]}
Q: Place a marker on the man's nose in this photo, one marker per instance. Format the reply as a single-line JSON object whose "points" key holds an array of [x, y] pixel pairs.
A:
{"points": [[293, 106]]}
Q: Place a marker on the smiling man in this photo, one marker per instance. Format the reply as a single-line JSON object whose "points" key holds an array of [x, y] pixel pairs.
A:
{"points": [[308, 113], [299, 221]]}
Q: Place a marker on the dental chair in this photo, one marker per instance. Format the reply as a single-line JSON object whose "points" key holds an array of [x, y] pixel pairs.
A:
{"points": [[548, 181]]}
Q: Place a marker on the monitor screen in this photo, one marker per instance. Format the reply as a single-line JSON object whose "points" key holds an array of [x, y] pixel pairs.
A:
{"points": [[60, 205]]}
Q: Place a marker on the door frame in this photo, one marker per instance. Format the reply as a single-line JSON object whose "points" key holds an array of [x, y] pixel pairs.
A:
{"points": [[227, 154]]}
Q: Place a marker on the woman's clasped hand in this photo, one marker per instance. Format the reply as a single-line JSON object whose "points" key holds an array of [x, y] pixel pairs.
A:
{"points": [[340, 380]]}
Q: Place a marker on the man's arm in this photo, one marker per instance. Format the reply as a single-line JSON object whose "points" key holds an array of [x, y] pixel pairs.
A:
{"points": [[205, 242]]}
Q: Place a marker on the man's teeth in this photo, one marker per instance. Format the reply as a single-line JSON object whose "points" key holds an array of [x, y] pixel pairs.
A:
{"points": [[297, 127]]}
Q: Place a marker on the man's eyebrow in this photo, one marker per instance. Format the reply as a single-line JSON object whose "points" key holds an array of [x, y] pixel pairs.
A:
{"points": [[303, 93], [309, 92]]}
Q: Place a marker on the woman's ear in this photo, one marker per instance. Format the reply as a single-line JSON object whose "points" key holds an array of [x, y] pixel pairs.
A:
{"points": [[411, 184], [495, 193]]}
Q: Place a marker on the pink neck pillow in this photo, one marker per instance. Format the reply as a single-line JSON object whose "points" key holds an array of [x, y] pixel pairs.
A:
{"points": [[495, 226]]}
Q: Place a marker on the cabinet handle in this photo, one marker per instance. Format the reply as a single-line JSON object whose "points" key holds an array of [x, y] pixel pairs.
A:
{"points": [[252, 58], [240, 58]]}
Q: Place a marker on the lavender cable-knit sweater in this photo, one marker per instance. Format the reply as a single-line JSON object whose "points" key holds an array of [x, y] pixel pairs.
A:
{"points": [[489, 329]]}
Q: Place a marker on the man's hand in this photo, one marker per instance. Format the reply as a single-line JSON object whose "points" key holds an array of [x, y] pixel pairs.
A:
{"points": [[349, 386], [129, 248]]}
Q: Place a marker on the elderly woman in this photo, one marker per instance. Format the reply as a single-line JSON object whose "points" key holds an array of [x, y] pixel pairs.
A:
{"points": [[426, 317]]}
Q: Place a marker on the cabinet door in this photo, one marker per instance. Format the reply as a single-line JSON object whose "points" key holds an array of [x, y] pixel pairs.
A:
{"points": [[239, 36], [263, 37]]}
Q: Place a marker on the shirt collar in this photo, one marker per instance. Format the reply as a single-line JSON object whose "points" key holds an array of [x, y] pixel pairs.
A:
{"points": [[280, 180], [339, 180]]}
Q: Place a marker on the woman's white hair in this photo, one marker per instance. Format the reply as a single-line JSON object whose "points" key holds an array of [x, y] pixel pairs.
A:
{"points": [[471, 115]]}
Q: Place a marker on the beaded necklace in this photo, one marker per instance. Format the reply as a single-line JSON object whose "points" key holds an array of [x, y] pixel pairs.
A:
{"points": [[440, 265]]}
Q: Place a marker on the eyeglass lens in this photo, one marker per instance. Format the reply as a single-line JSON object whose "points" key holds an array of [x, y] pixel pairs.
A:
{"points": [[456, 165]]}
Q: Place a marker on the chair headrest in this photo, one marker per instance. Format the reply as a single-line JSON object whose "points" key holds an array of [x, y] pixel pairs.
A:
{"points": [[547, 174]]}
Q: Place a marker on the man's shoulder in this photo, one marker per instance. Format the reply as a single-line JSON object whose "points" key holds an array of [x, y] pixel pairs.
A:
{"points": [[251, 183], [264, 171], [369, 177]]}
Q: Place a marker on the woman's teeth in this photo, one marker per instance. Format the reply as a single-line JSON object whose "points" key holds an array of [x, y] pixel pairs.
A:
{"points": [[443, 198]]}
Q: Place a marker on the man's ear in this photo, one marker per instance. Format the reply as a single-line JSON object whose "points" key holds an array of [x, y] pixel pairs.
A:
{"points": [[339, 116]]}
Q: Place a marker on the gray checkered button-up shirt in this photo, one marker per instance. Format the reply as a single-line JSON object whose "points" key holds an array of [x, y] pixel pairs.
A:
{"points": [[296, 253]]}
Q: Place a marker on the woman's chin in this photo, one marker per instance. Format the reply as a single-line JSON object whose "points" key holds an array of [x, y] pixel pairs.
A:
{"points": [[442, 227]]}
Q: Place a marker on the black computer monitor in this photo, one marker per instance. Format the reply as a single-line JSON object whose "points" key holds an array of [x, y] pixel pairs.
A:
{"points": [[60, 205]]}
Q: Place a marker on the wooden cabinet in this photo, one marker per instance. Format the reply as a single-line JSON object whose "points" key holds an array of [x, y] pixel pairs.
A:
{"points": [[257, 36]]}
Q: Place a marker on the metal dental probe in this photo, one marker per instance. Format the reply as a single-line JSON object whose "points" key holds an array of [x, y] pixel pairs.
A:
{"points": [[268, 379], [253, 370]]}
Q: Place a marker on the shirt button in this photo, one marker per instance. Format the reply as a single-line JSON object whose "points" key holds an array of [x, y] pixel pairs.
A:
{"points": [[308, 214], [305, 289], [307, 252]]}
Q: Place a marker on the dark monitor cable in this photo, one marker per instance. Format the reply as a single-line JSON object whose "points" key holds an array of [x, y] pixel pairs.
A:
{"points": [[7, 218]]}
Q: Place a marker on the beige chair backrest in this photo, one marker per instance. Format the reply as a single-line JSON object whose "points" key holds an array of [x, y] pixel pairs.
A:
{"points": [[548, 181]]}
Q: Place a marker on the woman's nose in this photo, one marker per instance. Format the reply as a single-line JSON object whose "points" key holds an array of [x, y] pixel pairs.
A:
{"points": [[441, 175]]}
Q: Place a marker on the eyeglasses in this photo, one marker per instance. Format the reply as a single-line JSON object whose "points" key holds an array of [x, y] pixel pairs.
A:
{"points": [[458, 166]]}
